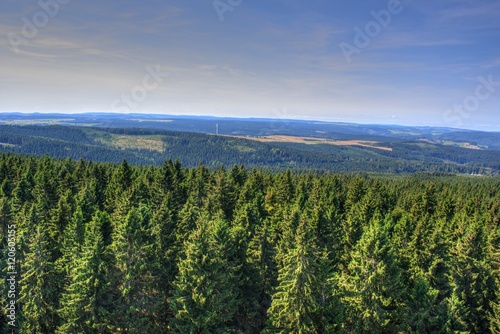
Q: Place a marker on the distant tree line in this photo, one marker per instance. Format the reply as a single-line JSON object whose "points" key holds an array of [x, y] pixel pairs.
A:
{"points": [[216, 151]]}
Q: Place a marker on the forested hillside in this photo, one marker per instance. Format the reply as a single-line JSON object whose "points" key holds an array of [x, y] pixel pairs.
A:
{"points": [[152, 147], [261, 127], [103, 248]]}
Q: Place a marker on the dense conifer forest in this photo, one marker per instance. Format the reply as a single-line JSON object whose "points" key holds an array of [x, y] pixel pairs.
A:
{"points": [[117, 248], [142, 146]]}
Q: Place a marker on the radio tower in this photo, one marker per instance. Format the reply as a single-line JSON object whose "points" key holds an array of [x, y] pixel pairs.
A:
{"points": [[217, 128]]}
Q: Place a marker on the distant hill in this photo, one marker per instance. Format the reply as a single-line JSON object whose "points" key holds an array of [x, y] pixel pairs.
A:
{"points": [[262, 127], [254, 143]]}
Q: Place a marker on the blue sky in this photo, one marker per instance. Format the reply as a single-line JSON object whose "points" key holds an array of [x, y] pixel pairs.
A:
{"points": [[422, 63]]}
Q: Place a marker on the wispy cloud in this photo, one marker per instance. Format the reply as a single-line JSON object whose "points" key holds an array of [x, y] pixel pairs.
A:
{"points": [[471, 9], [495, 63], [264, 56]]}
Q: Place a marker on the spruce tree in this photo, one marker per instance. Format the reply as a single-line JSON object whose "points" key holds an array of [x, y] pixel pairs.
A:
{"points": [[302, 301], [495, 316], [22, 191], [120, 182], [165, 253], [456, 314], [205, 295], [188, 216], [372, 286], [252, 255], [472, 278], [425, 315], [86, 302], [260, 275], [494, 258], [71, 242], [135, 273], [38, 293]]}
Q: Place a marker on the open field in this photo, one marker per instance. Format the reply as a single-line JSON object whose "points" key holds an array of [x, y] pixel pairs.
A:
{"points": [[467, 145], [48, 121], [152, 143], [314, 140]]}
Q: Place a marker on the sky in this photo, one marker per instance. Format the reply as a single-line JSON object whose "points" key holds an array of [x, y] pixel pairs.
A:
{"points": [[428, 63]]}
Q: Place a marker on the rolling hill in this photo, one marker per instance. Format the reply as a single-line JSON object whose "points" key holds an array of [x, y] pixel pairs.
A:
{"points": [[300, 145]]}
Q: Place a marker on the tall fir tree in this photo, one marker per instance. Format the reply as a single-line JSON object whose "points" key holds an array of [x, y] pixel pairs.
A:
{"points": [[205, 295], [472, 278], [86, 303], [120, 182], [425, 314], [372, 286], [261, 275], [135, 275], [494, 258], [38, 292], [165, 253], [302, 301]]}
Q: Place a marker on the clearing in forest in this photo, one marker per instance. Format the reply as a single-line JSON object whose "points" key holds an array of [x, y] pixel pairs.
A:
{"points": [[151, 143], [314, 140]]}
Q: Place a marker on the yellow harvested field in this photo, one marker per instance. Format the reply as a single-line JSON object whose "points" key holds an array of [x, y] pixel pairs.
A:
{"points": [[363, 143], [314, 140]]}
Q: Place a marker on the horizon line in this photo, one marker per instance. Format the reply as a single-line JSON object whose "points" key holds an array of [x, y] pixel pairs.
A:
{"points": [[297, 119]]}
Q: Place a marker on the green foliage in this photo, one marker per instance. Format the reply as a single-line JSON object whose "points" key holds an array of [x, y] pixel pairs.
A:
{"points": [[153, 147], [425, 315], [205, 295], [495, 264], [86, 303], [135, 272], [38, 291], [472, 277], [103, 248], [302, 302], [372, 286]]}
